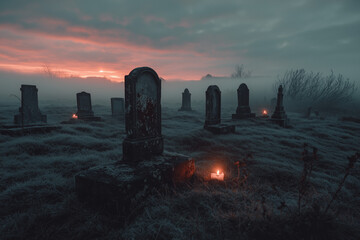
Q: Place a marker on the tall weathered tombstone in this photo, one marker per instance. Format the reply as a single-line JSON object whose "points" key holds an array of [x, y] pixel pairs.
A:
{"points": [[29, 111], [84, 107], [117, 107], [145, 165], [142, 115], [279, 115], [213, 112], [186, 101], [243, 109]]}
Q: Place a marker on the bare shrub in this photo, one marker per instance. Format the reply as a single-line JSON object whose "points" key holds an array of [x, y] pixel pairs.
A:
{"points": [[316, 90], [240, 72]]}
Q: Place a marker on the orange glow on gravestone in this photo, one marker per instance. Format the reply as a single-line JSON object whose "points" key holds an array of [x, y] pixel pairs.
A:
{"points": [[218, 176]]}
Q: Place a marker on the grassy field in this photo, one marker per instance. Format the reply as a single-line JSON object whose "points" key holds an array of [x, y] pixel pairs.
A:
{"points": [[38, 201]]}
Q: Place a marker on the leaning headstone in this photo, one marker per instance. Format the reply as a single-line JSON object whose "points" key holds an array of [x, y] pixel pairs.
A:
{"points": [[117, 107], [29, 111], [213, 112], [186, 101], [279, 115], [29, 120], [84, 107], [145, 165], [243, 108]]}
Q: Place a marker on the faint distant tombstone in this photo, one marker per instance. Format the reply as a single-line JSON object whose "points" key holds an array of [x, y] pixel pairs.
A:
{"points": [[29, 110], [279, 115], [117, 107], [213, 112], [142, 115], [84, 107], [243, 108], [186, 101]]}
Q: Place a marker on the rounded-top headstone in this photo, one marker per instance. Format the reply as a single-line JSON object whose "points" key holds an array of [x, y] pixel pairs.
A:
{"points": [[243, 95], [142, 103], [213, 105]]}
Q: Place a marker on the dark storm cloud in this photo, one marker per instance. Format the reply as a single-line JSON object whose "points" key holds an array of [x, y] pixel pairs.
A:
{"points": [[262, 34]]}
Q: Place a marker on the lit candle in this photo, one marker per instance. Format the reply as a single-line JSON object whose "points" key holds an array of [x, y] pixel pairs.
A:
{"points": [[218, 176], [265, 113], [74, 116]]}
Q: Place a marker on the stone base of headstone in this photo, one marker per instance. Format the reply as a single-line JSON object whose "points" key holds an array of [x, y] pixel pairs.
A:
{"points": [[89, 118], [40, 118], [220, 128], [16, 130], [185, 109], [243, 116], [135, 150], [282, 122], [119, 187]]}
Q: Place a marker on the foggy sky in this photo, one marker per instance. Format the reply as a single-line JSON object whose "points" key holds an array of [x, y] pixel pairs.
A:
{"points": [[180, 39]]}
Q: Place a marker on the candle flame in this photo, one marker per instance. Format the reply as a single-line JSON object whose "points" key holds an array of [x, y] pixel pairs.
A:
{"points": [[74, 116], [265, 112], [218, 172]]}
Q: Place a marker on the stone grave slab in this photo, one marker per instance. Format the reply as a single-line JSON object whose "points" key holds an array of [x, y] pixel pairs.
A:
{"points": [[84, 107], [279, 116], [243, 109], [186, 101], [30, 120], [213, 112]]}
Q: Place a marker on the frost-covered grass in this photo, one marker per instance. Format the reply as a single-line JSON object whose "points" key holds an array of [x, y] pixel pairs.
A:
{"points": [[37, 199]]}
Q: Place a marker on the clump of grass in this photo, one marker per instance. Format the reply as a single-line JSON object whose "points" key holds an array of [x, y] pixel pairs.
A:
{"points": [[352, 160], [308, 161]]}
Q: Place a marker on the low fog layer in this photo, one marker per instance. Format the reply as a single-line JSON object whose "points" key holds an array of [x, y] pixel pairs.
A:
{"points": [[54, 90], [65, 89]]}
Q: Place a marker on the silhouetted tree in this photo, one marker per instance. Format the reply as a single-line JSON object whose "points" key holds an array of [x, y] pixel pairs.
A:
{"points": [[240, 72], [315, 89]]}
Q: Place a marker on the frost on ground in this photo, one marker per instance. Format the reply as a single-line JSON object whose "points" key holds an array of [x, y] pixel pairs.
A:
{"points": [[37, 197]]}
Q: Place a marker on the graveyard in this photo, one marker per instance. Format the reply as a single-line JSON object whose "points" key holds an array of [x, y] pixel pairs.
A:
{"points": [[139, 167], [180, 120]]}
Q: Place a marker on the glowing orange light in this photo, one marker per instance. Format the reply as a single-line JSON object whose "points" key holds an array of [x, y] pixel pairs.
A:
{"points": [[265, 112], [74, 116], [218, 176]]}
